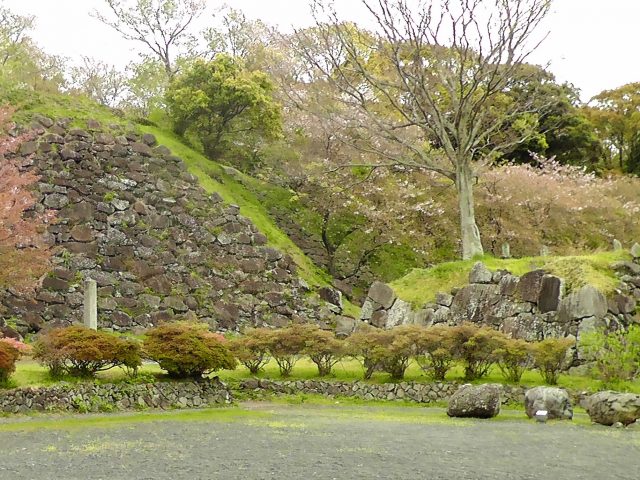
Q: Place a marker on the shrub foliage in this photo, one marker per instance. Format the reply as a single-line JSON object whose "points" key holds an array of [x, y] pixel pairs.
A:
{"points": [[81, 352], [188, 350]]}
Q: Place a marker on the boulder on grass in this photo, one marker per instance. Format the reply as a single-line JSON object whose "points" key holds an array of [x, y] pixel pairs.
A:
{"points": [[609, 408], [476, 401], [555, 401]]}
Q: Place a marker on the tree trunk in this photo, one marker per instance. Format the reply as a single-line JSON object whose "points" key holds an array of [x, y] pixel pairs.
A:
{"points": [[471, 243]]}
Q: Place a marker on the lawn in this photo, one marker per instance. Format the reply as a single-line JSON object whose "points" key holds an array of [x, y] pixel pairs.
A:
{"points": [[30, 374]]}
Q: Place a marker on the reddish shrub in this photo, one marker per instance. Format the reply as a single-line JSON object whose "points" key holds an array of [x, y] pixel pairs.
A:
{"points": [[81, 352]]}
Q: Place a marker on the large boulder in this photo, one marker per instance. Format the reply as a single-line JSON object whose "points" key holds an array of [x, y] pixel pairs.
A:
{"points": [[382, 294], [586, 302], [551, 291], [475, 303], [476, 401], [608, 408], [480, 274], [399, 314], [555, 401], [530, 286]]}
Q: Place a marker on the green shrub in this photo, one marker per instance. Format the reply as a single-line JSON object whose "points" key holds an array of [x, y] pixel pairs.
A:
{"points": [[476, 347], [367, 346], [286, 345], [252, 349], [81, 352], [434, 350], [616, 355], [551, 356], [514, 357], [324, 349], [187, 350]]}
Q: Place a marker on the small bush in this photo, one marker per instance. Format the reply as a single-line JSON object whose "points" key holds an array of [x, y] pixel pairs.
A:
{"points": [[252, 349], [324, 349], [286, 345], [367, 346], [434, 350], [476, 347], [10, 352], [551, 357], [616, 355], [187, 350], [514, 357], [398, 349], [81, 352]]}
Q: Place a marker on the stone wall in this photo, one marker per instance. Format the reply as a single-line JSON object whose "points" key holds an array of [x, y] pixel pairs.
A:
{"points": [[407, 391], [133, 218], [91, 397], [534, 306]]}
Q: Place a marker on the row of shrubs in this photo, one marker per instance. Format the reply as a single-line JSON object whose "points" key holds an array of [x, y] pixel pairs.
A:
{"points": [[190, 350], [435, 349]]}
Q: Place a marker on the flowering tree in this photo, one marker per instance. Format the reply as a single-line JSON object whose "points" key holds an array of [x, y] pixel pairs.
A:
{"points": [[24, 256]]}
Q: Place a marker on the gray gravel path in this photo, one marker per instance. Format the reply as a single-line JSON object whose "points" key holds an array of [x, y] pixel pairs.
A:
{"points": [[264, 441]]}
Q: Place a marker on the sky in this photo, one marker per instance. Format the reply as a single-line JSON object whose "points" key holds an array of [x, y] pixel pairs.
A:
{"points": [[591, 43]]}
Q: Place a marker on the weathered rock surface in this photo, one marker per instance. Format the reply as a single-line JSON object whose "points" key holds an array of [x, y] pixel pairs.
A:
{"points": [[476, 401], [608, 408], [134, 219], [555, 401], [382, 294], [480, 274], [586, 302]]}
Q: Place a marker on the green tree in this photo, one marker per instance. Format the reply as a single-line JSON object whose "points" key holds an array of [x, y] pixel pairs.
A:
{"points": [[220, 104], [616, 115]]}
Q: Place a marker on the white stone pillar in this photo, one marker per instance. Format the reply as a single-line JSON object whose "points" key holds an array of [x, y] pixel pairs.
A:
{"points": [[91, 304]]}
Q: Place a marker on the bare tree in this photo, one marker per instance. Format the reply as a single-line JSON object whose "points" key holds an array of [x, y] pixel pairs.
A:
{"points": [[100, 81], [13, 33], [161, 25], [428, 88]]}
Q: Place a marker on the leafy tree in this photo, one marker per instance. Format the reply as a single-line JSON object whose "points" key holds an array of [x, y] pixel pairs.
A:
{"points": [[219, 103], [429, 89], [146, 86], [24, 254], [286, 345], [162, 26], [616, 115]]}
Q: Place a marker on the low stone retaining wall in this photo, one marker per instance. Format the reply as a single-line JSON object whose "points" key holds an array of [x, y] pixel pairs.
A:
{"points": [[89, 397], [409, 391]]}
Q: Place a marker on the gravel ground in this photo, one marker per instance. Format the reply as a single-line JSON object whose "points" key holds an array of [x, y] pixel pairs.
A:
{"points": [[265, 441]]}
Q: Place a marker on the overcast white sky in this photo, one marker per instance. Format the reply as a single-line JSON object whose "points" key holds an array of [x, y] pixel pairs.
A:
{"points": [[592, 43]]}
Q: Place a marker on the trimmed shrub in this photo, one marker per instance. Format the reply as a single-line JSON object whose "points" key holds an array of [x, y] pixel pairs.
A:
{"points": [[286, 345], [367, 346], [398, 349], [514, 357], [252, 349], [476, 347], [187, 350], [81, 352], [551, 356], [616, 355], [434, 350], [10, 352], [324, 349]]}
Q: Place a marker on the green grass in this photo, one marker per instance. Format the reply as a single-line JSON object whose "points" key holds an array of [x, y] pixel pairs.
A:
{"points": [[420, 286], [30, 374]]}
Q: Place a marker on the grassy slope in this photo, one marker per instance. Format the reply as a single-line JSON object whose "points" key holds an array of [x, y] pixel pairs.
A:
{"points": [[211, 174], [421, 285]]}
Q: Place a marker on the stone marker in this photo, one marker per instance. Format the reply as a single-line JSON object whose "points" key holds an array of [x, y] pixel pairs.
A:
{"points": [[635, 251], [91, 304], [617, 246], [506, 250], [553, 401], [544, 251]]}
